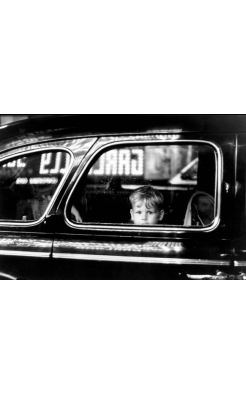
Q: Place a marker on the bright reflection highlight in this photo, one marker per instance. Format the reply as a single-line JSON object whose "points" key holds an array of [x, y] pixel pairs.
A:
{"points": [[153, 247], [22, 181], [43, 180]]}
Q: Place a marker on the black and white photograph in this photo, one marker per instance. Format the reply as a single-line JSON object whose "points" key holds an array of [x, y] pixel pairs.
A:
{"points": [[104, 197]]}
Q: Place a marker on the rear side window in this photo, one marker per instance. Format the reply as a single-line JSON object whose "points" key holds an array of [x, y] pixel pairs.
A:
{"points": [[28, 183], [161, 185]]}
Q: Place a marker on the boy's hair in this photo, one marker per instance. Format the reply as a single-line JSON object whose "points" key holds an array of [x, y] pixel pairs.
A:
{"points": [[151, 196]]}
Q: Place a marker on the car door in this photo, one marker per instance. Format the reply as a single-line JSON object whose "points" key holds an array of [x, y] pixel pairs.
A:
{"points": [[95, 238], [31, 179]]}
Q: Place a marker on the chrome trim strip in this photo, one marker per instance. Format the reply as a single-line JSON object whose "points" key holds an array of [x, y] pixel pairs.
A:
{"points": [[152, 229], [199, 276], [14, 223], [222, 276], [25, 253], [8, 276], [240, 263], [137, 259]]}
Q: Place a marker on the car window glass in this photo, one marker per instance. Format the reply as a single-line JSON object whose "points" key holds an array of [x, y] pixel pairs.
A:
{"points": [[28, 183], [185, 176]]}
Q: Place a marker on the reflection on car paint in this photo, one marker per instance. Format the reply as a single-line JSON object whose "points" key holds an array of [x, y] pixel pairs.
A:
{"points": [[79, 250], [139, 259], [21, 242], [79, 146], [146, 247], [240, 263], [168, 134], [7, 276]]}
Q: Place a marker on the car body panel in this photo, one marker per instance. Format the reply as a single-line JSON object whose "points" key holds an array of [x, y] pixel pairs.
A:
{"points": [[26, 247]]}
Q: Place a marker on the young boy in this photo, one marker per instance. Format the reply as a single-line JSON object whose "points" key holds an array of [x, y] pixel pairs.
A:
{"points": [[147, 205]]}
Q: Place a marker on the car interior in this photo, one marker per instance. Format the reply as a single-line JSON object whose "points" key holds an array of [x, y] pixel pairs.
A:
{"points": [[105, 198]]}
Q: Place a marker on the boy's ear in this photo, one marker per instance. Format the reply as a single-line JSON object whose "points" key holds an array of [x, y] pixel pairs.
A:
{"points": [[161, 215]]}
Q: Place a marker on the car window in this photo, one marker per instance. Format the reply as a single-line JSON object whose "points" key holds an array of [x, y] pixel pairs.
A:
{"points": [[28, 183], [178, 180]]}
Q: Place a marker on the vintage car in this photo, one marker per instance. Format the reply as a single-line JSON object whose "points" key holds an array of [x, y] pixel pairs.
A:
{"points": [[65, 184]]}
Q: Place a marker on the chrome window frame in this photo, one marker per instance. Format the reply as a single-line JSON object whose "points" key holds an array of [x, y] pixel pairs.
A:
{"points": [[30, 151], [104, 144]]}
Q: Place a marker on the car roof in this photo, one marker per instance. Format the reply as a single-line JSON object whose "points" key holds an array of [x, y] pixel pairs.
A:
{"points": [[58, 126]]}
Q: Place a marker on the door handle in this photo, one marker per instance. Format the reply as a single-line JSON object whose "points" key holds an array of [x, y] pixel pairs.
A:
{"points": [[218, 276]]}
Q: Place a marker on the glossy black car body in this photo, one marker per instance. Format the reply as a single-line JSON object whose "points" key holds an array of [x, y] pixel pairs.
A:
{"points": [[53, 246]]}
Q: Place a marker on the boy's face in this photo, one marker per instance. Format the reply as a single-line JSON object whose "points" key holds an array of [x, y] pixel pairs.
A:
{"points": [[141, 215]]}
